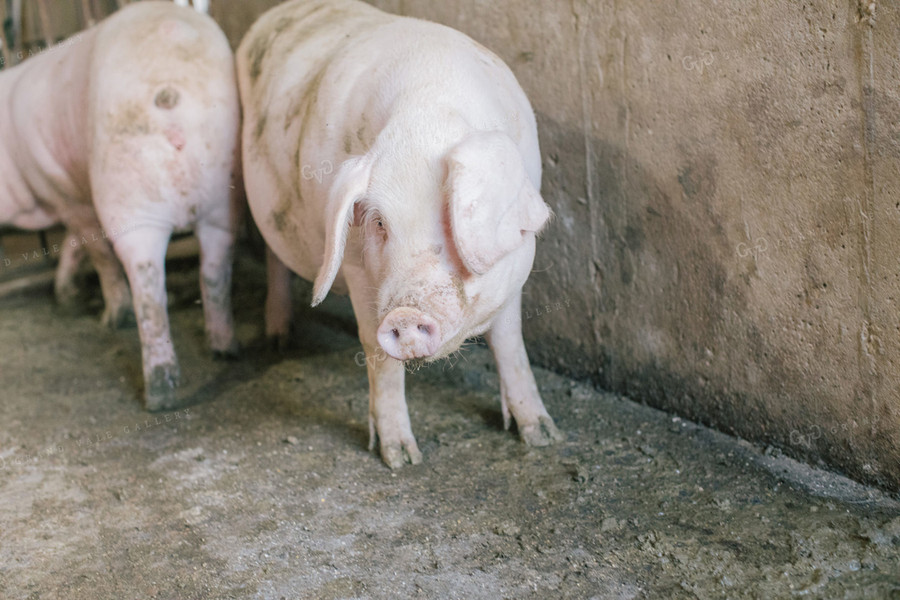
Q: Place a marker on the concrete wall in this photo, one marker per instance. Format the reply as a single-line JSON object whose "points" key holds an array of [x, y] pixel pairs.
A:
{"points": [[725, 181]]}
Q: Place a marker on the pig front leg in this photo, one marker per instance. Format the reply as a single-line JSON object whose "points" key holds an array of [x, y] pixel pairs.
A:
{"points": [[388, 414], [71, 255], [216, 257], [519, 394], [389, 423], [143, 253]]}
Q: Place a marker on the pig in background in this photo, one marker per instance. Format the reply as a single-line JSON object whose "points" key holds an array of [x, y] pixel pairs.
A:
{"points": [[398, 160], [133, 130], [199, 5]]}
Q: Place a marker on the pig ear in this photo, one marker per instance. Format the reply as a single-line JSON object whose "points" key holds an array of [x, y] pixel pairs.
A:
{"points": [[350, 185], [492, 202]]}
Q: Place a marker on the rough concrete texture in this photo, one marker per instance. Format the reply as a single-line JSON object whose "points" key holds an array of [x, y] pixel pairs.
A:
{"points": [[725, 183], [262, 487]]}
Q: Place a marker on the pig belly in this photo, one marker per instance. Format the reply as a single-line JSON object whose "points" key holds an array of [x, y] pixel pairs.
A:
{"points": [[43, 142], [281, 224], [32, 219]]}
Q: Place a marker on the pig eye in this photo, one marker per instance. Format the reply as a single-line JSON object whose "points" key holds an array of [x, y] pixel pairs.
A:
{"points": [[378, 221]]}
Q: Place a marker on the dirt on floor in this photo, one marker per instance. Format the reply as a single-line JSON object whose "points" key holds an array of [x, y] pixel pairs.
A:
{"points": [[262, 486]]}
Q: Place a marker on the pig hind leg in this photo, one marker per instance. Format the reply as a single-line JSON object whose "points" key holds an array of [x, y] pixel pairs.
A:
{"points": [[519, 394], [278, 301], [389, 423], [71, 256], [143, 253], [216, 253]]}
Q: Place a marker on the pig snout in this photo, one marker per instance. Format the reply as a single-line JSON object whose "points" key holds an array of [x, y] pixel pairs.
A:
{"points": [[408, 333]]}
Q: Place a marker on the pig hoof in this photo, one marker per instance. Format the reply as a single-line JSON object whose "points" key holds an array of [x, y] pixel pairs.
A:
{"points": [[70, 307], [397, 454], [161, 387], [281, 342], [118, 317], [542, 433], [67, 298], [229, 352]]}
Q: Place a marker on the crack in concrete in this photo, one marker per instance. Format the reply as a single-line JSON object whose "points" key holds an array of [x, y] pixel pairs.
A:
{"points": [[587, 109], [867, 364]]}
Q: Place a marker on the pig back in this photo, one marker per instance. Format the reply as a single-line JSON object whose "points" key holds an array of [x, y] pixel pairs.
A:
{"points": [[324, 82]]}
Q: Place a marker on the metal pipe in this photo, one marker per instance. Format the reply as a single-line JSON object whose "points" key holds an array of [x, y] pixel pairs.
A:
{"points": [[46, 23], [87, 15], [5, 56], [15, 30]]}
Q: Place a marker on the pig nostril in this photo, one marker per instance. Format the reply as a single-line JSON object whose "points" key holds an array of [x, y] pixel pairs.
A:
{"points": [[396, 333], [425, 329]]}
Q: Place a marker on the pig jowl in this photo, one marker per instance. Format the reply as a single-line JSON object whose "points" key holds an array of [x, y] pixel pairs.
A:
{"points": [[125, 135], [396, 160]]}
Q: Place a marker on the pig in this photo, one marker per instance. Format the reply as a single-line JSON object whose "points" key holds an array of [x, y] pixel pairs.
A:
{"points": [[397, 160], [124, 134], [199, 5]]}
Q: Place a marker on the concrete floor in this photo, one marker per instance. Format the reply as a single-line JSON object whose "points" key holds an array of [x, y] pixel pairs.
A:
{"points": [[262, 486]]}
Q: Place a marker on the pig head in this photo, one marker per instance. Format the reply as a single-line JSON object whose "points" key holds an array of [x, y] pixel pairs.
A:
{"points": [[432, 252], [404, 168]]}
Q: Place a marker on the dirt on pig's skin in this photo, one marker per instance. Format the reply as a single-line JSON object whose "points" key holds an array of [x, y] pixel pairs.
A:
{"points": [[261, 485]]}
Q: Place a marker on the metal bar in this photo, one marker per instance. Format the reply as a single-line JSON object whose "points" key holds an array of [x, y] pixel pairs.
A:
{"points": [[44, 243], [15, 45], [99, 9], [27, 284], [4, 48], [87, 15], [46, 23]]}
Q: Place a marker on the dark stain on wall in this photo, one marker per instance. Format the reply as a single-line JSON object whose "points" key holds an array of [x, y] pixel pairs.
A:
{"points": [[669, 313]]}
